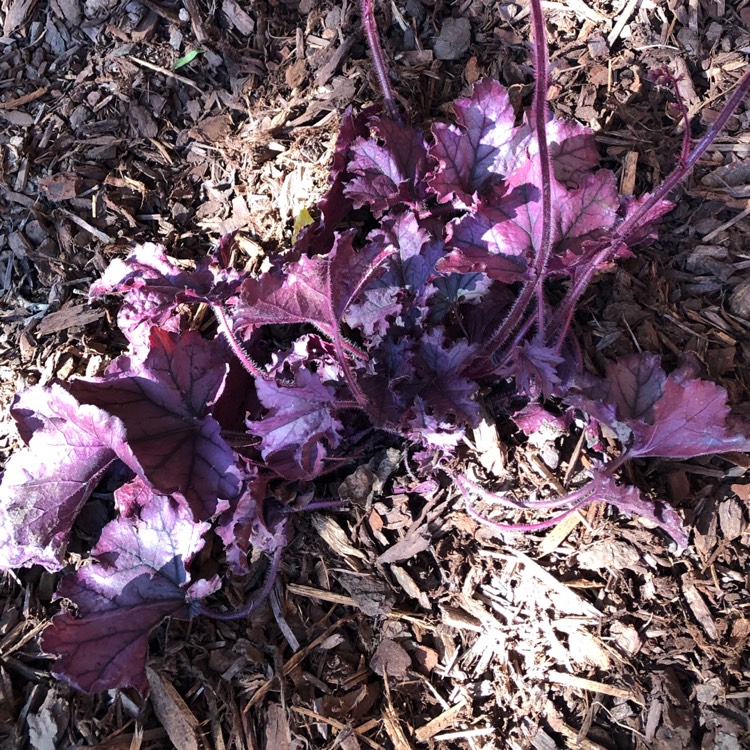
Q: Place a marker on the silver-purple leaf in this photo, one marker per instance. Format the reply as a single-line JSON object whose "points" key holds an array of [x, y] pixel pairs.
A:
{"points": [[46, 483]]}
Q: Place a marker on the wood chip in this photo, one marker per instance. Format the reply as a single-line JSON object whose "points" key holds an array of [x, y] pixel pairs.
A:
{"points": [[19, 119], [182, 727], [629, 173], [439, 723], [25, 99], [335, 537], [568, 601], [61, 186], [699, 608], [69, 317], [390, 659], [558, 534], [17, 14], [278, 733], [591, 686], [412, 544]]}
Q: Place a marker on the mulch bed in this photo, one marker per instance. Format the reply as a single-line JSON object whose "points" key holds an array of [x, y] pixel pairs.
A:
{"points": [[398, 621]]}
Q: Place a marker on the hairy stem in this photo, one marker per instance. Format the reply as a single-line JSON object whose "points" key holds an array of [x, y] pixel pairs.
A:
{"points": [[505, 330], [257, 599], [522, 528], [539, 117], [639, 217], [376, 52], [318, 505], [225, 328], [467, 487], [534, 285]]}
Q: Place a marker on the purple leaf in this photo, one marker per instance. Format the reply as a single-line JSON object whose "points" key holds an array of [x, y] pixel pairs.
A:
{"points": [[590, 207], [154, 286], [389, 368], [236, 399], [539, 425], [487, 242], [254, 523], [454, 289], [138, 577], [132, 496], [299, 426], [146, 266], [373, 315], [314, 290], [535, 369], [634, 385], [438, 374], [516, 223], [654, 414], [628, 499], [482, 320], [318, 238], [473, 156], [46, 484], [414, 252], [388, 171], [644, 229], [164, 403], [572, 149], [690, 419]]}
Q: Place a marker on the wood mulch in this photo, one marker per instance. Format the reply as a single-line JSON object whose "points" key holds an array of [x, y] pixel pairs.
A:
{"points": [[398, 622]]}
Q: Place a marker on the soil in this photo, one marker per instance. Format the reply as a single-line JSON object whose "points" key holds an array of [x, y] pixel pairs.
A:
{"points": [[127, 122]]}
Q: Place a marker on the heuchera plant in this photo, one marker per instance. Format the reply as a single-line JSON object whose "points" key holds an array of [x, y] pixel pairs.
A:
{"points": [[425, 280]]}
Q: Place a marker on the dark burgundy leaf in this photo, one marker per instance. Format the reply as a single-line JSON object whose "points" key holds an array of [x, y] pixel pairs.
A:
{"points": [[454, 289], [535, 369], [441, 385], [634, 384], [590, 207], [164, 403], [387, 171], [138, 577], [414, 251], [645, 229], [389, 368]]}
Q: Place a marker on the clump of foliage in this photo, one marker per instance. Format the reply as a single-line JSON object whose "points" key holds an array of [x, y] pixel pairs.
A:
{"points": [[426, 279]]}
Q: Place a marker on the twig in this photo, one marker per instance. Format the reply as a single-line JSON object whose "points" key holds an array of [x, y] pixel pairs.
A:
{"points": [[164, 71]]}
